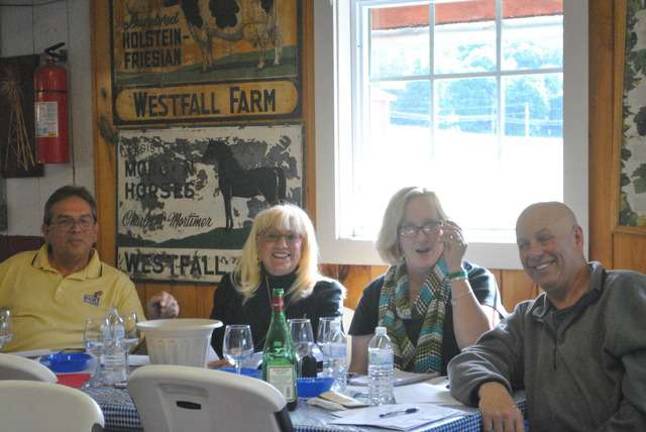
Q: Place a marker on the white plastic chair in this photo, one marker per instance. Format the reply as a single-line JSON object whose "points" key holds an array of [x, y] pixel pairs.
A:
{"points": [[27, 406], [13, 367], [184, 398]]}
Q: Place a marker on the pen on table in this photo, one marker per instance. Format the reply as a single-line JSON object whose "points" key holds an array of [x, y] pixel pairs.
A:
{"points": [[400, 412]]}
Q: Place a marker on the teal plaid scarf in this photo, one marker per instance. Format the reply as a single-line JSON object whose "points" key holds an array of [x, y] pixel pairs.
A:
{"points": [[430, 305]]}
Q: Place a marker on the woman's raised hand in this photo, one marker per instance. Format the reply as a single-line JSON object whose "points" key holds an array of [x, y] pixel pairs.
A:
{"points": [[454, 245]]}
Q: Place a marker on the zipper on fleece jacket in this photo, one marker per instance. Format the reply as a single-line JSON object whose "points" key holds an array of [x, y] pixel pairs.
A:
{"points": [[553, 334]]}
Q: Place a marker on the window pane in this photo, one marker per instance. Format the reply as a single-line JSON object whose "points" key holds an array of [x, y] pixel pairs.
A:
{"points": [[467, 105], [533, 105], [399, 41], [465, 37], [532, 43], [532, 130], [457, 120], [466, 150], [462, 48], [400, 103], [397, 135]]}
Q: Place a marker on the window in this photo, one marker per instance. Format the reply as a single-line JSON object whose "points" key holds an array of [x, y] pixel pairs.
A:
{"points": [[465, 97]]}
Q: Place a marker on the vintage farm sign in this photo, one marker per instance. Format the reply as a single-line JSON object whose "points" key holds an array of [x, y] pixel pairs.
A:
{"points": [[187, 196], [190, 61]]}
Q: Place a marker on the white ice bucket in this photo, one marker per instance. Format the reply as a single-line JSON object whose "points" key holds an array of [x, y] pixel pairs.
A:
{"points": [[179, 341]]}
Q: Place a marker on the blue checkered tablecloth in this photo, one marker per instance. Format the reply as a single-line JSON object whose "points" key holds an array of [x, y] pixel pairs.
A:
{"points": [[312, 419], [121, 415], [118, 409]]}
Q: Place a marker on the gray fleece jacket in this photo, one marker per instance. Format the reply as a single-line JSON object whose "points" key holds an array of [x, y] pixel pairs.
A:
{"points": [[583, 368]]}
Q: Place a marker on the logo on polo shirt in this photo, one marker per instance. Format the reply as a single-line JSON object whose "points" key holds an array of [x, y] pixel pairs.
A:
{"points": [[93, 299]]}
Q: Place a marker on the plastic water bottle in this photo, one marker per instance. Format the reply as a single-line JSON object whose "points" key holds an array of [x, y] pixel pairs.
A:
{"points": [[381, 368], [114, 350], [337, 356]]}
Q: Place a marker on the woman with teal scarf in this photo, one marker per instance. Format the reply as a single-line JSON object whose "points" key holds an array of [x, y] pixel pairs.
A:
{"points": [[432, 302]]}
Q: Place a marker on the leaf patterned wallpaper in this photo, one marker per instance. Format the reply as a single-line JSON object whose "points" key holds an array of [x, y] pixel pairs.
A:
{"points": [[632, 210]]}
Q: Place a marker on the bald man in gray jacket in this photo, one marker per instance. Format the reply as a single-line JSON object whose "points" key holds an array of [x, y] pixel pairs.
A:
{"points": [[578, 349]]}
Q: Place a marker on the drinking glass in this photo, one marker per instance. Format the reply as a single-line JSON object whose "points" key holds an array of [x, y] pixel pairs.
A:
{"points": [[131, 334], [93, 340], [238, 344], [323, 340], [323, 333], [303, 337], [5, 327]]}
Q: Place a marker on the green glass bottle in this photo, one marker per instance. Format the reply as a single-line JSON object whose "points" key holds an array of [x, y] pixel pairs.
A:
{"points": [[279, 356]]}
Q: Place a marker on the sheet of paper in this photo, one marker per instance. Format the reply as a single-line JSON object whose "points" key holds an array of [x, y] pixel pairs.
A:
{"points": [[435, 391], [401, 378], [424, 414]]}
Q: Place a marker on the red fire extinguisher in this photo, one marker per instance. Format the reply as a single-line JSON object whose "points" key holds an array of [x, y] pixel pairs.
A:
{"points": [[50, 87]]}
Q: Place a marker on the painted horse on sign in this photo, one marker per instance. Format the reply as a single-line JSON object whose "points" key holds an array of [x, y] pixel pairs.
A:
{"points": [[235, 181]]}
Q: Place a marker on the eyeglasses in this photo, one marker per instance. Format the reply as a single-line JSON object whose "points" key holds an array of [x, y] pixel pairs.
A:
{"points": [[275, 237], [411, 230], [64, 223]]}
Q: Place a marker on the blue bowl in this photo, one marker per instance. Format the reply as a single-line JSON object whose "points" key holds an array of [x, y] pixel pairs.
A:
{"points": [[251, 372], [312, 387], [66, 362]]}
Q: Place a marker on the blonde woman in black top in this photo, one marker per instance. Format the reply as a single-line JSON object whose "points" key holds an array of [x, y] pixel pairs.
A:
{"points": [[280, 252]]}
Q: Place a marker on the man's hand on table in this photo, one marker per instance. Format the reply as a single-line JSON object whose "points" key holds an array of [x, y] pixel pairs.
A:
{"points": [[217, 364], [499, 412], [162, 305]]}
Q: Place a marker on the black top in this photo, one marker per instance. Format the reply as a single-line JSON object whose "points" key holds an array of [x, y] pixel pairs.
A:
{"points": [[326, 300], [483, 284]]}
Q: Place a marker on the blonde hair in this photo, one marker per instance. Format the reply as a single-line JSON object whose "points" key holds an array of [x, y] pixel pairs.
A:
{"points": [[247, 276], [388, 238]]}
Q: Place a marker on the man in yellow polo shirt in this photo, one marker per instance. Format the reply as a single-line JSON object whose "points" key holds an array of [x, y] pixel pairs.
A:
{"points": [[52, 291]]}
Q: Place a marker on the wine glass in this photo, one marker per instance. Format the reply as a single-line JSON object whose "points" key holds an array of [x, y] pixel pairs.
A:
{"points": [[131, 334], [93, 340], [238, 344], [5, 327], [303, 337], [323, 333], [323, 340]]}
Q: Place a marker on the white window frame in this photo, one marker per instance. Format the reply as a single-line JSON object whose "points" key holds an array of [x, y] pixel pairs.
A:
{"points": [[332, 119]]}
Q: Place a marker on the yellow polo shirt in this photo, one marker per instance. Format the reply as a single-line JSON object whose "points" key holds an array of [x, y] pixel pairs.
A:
{"points": [[49, 310]]}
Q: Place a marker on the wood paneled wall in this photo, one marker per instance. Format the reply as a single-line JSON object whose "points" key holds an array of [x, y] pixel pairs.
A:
{"points": [[601, 95], [614, 248]]}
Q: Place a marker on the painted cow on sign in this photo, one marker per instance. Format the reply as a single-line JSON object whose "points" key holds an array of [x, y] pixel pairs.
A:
{"points": [[253, 20]]}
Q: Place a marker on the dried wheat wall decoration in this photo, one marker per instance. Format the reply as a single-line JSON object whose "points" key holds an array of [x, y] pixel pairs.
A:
{"points": [[18, 146], [17, 130]]}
